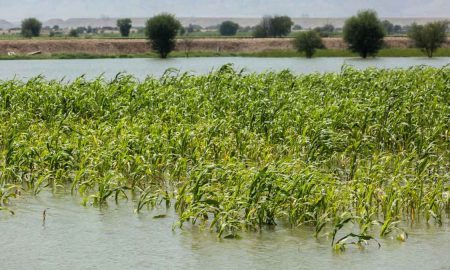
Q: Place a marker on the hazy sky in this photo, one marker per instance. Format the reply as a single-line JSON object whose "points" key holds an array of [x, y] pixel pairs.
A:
{"points": [[45, 9]]}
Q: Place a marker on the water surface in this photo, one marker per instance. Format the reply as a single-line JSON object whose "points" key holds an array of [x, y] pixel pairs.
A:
{"points": [[75, 237], [141, 68]]}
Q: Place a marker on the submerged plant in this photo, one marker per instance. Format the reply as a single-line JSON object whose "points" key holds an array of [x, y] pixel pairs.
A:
{"points": [[236, 151]]}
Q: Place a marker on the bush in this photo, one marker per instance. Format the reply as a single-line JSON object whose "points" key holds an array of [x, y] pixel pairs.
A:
{"points": [[228, 28], [124, 27], [326, 30], [428, 37], [73, 33], [277, 26], [162, 30], [308, 42], [364, 33], [31, 27]]}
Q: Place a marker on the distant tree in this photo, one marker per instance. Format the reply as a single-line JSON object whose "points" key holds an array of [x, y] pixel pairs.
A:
{"points": [[162, 30], [397, 29], [326, 30], [308, 42], [297, 27], [73, 33], [228, 28], [55, 27], [428, 37], [124, 26], [277, 26], [388, 27], [264, 28], [31, 27], [364, 33], [281, 26]]}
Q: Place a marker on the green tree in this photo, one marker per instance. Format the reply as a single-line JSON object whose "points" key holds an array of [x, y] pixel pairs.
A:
{"points": [[428, 37], [124, 26], [281, 26], [308, 42], [277, 26], [162, 30], [31, 27], [364, 33], [228, 28]]}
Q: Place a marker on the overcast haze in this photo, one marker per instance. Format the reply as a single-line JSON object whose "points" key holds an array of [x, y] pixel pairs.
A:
{"points": [[47, 9]]}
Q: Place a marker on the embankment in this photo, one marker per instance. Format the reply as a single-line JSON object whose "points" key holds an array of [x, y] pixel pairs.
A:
{"points": [[140, 46]]}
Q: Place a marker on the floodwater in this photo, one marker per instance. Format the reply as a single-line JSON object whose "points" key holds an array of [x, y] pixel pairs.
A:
{"points": [[141, 68], [114, 237]]}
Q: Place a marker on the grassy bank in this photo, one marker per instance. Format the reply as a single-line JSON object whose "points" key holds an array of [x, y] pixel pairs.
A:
{"points": [[393, 52], [236, 152]]}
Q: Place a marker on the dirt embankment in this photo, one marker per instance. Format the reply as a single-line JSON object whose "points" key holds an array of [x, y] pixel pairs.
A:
{"points": [[129, 46]]}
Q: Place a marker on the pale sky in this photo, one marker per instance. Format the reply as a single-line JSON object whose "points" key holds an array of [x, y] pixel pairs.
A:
{"points": [[16, 10]]}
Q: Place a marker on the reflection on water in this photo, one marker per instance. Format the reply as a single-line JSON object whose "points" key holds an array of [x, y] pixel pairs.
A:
{"points": [[141, 68], [75, 237]]}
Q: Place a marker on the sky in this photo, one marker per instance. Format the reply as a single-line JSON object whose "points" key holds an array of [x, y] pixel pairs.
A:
{"points": [[15, 10]]}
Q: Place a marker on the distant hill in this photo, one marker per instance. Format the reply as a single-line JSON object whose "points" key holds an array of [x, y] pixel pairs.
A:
{"points": [[204, 22], [5, 24]]}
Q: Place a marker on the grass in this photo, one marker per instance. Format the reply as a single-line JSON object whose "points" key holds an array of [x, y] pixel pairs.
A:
{"points": [[234, 151], [391, 52]]}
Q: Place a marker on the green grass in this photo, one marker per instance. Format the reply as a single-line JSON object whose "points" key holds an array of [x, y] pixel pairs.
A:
{"points": [[233, 151]]}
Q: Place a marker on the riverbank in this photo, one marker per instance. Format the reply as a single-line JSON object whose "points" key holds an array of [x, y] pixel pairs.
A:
{"points": [[392, 52], [114, 48]]}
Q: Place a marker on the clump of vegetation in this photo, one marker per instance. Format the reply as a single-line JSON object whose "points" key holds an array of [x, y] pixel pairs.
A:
{"points": [[73, 33], [238, 151], [124, 26], [31, 27], [162, 30], [429, 37], [326, 30], [308, 42], [277, 26], [364, 33], [228, 28]]}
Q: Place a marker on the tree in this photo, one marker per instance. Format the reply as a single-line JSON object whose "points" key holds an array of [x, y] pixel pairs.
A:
{"points": [[281, 26], [388, 27], [428, 37], [277, 26], [308, 42], [162, 30], [364, 33], [228, 28], [31, 27], [124, 26]]}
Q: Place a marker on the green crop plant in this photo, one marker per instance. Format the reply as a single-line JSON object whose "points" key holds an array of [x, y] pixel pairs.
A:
{"points": [[349, 154]]}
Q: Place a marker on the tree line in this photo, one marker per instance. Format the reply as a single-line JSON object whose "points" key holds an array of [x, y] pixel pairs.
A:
{"points": [[363, 32]]}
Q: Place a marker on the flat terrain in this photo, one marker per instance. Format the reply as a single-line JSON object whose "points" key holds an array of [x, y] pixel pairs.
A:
{"points": [[141, 46]]}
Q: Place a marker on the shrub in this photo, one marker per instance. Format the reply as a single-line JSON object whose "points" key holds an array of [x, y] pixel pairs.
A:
{"points": [[308, 42]]}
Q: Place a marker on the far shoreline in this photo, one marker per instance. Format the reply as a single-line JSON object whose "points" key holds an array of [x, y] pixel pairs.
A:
{"points": [[324, 53]]}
